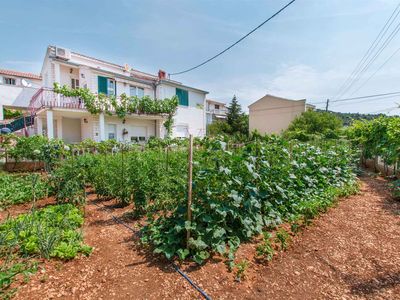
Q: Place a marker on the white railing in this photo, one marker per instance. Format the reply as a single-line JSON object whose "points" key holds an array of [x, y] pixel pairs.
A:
{"points": [[214, 111]]}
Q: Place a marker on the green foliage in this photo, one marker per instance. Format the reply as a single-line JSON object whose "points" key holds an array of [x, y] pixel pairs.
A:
{"points": [[69, 179], [218, 127], [124, 105], [349, 118], [48, 232], [283, 238], [237, 122], [16, 189], [9, 271], [313, 124], [377, 137], [11, 113], [237, 192], [241, 269], [396, 189], [265, 250]]}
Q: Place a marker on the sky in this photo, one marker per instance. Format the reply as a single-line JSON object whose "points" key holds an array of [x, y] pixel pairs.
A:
{"points": [[306, 52]]}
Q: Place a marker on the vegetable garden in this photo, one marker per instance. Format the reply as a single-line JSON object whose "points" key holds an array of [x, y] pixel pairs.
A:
{"points": [[262, 186]]}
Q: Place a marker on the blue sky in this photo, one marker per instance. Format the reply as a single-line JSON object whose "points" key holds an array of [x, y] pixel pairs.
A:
{"points": [[306, 52]]}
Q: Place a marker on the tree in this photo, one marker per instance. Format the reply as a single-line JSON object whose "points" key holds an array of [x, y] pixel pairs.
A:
{"points": [[236, 119], [314, 123]]}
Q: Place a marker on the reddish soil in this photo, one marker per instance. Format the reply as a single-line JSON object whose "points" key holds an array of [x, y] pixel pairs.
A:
{"points": [[351, 252]]}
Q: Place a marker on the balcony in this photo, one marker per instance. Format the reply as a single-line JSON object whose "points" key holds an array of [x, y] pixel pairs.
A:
{"points": [[218, 112]]}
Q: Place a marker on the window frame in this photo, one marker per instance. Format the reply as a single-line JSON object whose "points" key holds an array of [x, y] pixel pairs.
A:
{"points": [[182, 94], [9, 81]]}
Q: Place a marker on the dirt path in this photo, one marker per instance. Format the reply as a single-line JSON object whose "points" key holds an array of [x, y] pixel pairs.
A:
{"points": [[351, 252]]}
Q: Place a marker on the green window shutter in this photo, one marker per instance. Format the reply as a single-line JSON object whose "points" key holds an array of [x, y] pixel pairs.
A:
{"points": [[102, 85], [183, 97]]}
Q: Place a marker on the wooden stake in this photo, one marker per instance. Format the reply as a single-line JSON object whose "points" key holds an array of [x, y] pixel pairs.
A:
{"points": [[190, 179]]}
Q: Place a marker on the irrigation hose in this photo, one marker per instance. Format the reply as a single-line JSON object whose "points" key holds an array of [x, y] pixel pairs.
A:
{"points": [[119, 221], [203, 293]]}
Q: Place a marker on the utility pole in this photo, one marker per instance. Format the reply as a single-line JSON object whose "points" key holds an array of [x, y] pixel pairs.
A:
{"points": [[327, 105]]}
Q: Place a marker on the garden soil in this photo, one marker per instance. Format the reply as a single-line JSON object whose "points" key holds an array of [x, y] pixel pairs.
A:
{"points": [[350, 252]]}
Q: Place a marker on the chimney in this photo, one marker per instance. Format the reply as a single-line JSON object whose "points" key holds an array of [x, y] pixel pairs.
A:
{"points": [[162, 74]]}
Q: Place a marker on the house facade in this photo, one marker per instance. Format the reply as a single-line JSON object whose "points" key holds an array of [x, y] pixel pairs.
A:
{"points": [[16, 87], [66, 118], [273, 115], [215, 110]]}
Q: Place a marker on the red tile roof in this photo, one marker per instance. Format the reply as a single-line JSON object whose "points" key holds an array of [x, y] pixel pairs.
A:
{"points": [[20, 74]]}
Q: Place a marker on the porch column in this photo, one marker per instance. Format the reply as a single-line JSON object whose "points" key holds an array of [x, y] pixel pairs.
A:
{"points": [[1, 113], [39, 126], [59, 128], [50, 128], [159, 125], [102, 127]]}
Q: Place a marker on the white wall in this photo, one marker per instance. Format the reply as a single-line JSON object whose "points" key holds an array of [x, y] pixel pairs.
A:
{"points": [[71, 130], [11, 95], [193, 116]]}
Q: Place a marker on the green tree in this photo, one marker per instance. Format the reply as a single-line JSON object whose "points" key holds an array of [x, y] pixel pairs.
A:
{"points": [[236, 119], [314, 123]]}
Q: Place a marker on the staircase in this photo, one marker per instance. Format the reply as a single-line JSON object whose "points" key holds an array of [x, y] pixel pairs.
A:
{"points": [[18, 123]]}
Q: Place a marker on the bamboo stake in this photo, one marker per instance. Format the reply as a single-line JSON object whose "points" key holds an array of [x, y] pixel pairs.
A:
{"points": [[190, 179]]}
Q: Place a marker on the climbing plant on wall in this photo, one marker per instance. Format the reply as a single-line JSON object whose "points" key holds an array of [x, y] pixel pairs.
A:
{"points": [[123, 105]]}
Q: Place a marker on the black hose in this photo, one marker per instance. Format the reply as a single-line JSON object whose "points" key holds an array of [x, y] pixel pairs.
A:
{"points": [[119, 221], [203, 293]]}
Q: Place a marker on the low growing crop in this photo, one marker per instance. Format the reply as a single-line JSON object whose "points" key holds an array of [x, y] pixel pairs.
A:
{"points": [[48, 232], [16, 189]]}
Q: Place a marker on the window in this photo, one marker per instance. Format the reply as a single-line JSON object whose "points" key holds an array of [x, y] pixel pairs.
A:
{"points": [[74, 83], [111, 87], [8, 80], [216, 106], [106, 86], [136, 91], [183, 97]]}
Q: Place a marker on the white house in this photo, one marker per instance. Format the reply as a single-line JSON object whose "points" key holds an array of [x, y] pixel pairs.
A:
{"points": [[215, 110], [16, 87], [66, 118]]}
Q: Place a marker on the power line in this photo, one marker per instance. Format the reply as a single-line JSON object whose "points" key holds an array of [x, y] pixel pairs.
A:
{"points": [[368, 100], [391, 94], [372, 60], [235, 43], [377, 70], [364, 97], [369, 52]]}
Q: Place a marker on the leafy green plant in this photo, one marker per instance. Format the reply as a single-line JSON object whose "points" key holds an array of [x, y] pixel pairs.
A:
{"points": [[16, 189], [396, 189], [283, 238], [48, 232], [265, 250], [96, 104], [45, 232], [241, 268], [240, 191]]}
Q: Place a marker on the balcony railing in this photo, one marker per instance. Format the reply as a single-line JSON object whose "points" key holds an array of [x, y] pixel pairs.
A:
{"points": [[221, 112], [48, 98]]}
